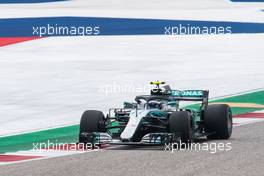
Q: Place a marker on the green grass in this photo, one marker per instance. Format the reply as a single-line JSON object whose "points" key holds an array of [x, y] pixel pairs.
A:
{"points": [[255, 97], [67, 134]]}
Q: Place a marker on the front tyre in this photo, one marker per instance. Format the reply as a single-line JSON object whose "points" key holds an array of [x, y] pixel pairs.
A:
{"points": [[91, 121], [180, 122]]}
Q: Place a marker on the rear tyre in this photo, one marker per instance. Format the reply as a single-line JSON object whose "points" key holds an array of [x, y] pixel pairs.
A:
{"points": [[218, 121], [91, 121], [180, 122]]}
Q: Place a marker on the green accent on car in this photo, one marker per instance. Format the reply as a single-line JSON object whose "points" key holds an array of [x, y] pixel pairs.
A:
{"points": [[114, 130], [158, 113]]}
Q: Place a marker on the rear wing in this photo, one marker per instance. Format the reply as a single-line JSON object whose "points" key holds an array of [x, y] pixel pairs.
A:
{"points": [[191, 95]]}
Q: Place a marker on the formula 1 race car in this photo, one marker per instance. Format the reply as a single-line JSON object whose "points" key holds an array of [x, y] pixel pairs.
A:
{"points": [[157, 119]]}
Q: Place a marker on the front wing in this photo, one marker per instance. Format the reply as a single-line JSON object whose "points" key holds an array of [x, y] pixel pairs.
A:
{"points": [[148, 139]]}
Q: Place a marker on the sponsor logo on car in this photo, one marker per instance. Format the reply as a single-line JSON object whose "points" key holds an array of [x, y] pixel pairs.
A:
{"points": [[187, 93]]}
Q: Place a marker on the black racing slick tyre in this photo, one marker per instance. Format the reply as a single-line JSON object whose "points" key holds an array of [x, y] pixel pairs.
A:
{"points": [[180, 123], [91, 121], [218, 121]]}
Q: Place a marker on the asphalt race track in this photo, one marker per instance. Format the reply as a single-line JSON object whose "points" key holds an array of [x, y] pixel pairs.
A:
{"points": [[50, 77], [245, 158]]}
